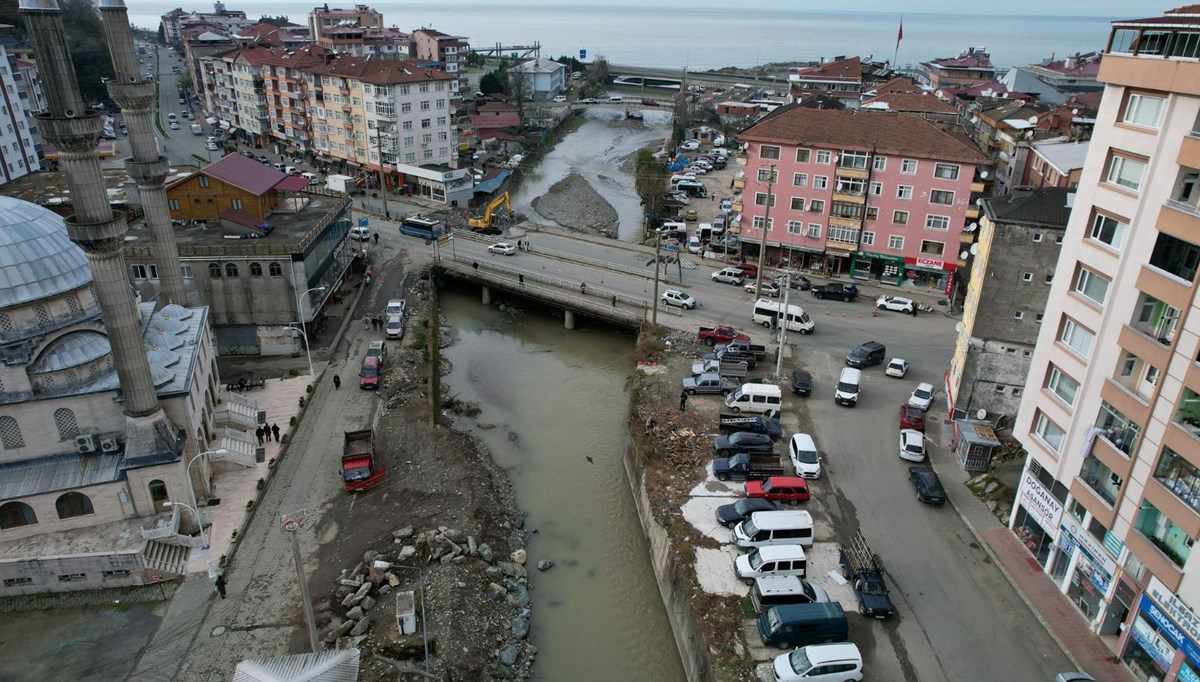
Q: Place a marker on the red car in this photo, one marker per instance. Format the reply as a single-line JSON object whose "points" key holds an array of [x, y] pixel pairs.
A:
{"points": [[912, 417], [792, 489]]}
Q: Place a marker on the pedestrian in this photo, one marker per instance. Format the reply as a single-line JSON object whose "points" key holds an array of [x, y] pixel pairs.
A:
{"points": [[521, 279], [259, 432], [337, 383], [914, 310], [220, 585], [376, 237], [713, 197], [275, 432], [614, 300], [682, 400], [583, 288], [366, 323]]}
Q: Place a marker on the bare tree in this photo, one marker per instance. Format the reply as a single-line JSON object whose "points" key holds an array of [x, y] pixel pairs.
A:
{"points": [[650, 181]]}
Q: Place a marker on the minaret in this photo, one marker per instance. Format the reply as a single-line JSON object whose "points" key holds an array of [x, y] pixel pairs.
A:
{"points": [[135, 96], [74, 129]]}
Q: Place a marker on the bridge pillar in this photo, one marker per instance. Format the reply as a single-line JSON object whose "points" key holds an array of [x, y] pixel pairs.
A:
{"points": [[487, 296], [569, 319]]}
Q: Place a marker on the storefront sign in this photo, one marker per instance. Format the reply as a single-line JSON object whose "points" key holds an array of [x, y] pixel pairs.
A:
{"points": [[1169, 629], [1039, 503], [882, 256], [1186, 674], [931, 263], [949, 285], [1154, 646], [1089, 546], [1175, 608]]}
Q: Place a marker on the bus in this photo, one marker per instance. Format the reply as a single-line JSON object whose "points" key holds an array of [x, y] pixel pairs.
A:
{"points": [[766, 313], [420, 227]]}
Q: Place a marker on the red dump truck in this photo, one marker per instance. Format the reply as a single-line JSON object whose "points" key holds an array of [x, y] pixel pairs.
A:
{"points": [[362, 469]]}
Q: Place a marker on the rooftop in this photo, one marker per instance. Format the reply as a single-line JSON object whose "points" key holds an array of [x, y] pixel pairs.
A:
{"points": [[1187, 16], [1063, 155], [838, 70], [974, 58], [909, 102], [380, 71], [887, 132], [245, 174], [1045, 207], [288, 230], [37, 260]]}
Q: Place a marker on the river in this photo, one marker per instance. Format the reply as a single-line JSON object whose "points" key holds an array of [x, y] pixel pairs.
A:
{"points": [[597, 614]]}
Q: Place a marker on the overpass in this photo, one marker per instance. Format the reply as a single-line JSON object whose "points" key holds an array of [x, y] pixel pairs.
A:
{"points": [[695, 77]]}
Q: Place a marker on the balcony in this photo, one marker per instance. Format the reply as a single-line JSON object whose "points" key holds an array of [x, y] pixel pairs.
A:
{"points": [[1136, 376], [1187, 413], [1155, 319], [978, 188], [1175, 257], [1158, 563], [850, 172], [1117, 429], [1102, 481], [1166, 537], [1180, 478], [972, 212], [1189, 150]]}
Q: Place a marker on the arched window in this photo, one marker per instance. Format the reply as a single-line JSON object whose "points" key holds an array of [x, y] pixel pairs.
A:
{"points": [[214, 270], [158, 494], [73, 504], [276, 270], [64, 420], [10, 433], [231, 270], [256, 269], [16, 514]]}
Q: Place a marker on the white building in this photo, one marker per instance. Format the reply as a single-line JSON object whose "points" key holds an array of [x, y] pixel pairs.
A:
{"points": [[544, 79], [18, 148]]}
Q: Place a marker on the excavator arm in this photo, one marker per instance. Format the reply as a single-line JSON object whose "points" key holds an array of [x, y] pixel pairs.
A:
{"points": [[485, 222]]}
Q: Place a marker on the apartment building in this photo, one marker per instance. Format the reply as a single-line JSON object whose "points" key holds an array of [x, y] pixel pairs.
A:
{"points": [[971, 67], [1109, 503], [876, 196], [840, 78], [18, 149], [359, 41], [322, 19], [1055, 163], [428, 45]]}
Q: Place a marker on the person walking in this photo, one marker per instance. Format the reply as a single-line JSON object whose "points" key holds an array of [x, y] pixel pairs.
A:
{"points": [[583, 288], [220, 585], [275, 432], [366, 323], [682, 400], [337, 384], [259, 432], [376, 238]]}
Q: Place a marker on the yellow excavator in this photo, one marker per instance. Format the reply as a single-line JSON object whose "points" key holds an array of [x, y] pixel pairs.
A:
{"points": [[484, 224]]}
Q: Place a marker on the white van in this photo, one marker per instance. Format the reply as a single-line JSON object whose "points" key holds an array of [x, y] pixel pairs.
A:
{"points": [[848, 387], [802, 450], [767, 528], [311, 177], [616, 99], [775, 561], [759, 398], [766, 312]]}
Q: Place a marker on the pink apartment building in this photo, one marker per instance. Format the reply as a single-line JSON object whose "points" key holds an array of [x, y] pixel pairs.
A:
{"points": [[875, 196]]}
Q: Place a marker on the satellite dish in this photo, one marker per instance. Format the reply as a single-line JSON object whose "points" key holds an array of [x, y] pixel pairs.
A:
{"points": [[983, 175], [979, 201], [958, 327], [974, 249], [972, 227], [981, 414], [963, 255], [1075, 112]]}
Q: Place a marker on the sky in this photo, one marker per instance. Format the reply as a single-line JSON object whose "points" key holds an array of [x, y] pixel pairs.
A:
{"points": [[1132, 9]]}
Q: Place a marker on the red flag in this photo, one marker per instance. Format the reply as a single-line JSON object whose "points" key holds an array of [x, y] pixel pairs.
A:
{"points": [[900, 35]]}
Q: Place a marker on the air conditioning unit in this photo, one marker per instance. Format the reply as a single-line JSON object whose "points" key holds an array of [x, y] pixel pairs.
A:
{"points": [[85, 443], [110, 444]]}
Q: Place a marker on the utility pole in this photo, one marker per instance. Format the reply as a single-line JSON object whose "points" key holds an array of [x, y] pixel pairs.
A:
{"points": [[382, 177], [762, 247], [657, 266], [782, 320], [291, 526]]}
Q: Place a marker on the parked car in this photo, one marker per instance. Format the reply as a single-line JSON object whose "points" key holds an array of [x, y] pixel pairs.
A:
{"points": [[211, 146], [732, 276], [730, 515], [395, 306], [927, 484], [709, 383], [503, 248], [368, 374], [743, 441], [897, 367], [691, 215], [912, 417], [679, 298], [767, 289], [922, 396], [841, 662], [790, 489], [173, 125], [799, 282], [896, 304], [360, 233], [690, 145], [560, 99], [801, 382], [377, 349], [867, 354], [912, 445], [748, 269], [395, 327], [693, 244], [802, 450]]}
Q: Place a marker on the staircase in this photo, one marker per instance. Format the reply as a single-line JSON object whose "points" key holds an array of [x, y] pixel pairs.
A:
{"points": [[237, 411], [242, 447], [162, 557]]}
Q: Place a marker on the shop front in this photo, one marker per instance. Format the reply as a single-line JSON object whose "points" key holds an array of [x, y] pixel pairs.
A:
{"points": [[799, 257], [1090, 571], [1161, 645], [1037, 518], [923, 272], [878, 267], [838, 258]]}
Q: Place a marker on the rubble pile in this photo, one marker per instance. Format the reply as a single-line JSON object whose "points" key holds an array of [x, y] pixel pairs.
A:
{"points": [[575, 205]]}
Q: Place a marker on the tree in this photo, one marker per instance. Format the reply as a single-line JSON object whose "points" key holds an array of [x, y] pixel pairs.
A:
{"points": [[275, 21], [650, 181], [185, 82], [599, 70], [572, 63], [491, 83]]}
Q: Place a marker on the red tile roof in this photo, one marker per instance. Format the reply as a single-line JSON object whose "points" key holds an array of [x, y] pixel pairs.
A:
{"points": [[897, 84], [291, 183], [886, 132], [842, 69], [906, 101], [380, 71], [245, 174]]}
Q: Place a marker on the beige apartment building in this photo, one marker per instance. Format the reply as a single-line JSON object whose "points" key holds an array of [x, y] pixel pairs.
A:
{"points": [[1109, 502]]}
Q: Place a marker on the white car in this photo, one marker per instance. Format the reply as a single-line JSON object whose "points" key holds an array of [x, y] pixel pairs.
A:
{"points": [[560, 99], [173, 125], [729, 276], [698, 170], [693, 244], [922, 396], [802, 450], [211, 146], [912, 445], [820, 663], [896, 304], [503, 248], [690, 145], [897, 367], [768, 289], [678, 298]]}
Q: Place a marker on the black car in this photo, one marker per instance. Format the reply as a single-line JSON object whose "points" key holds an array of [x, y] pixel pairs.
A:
{"points": [[801, 382], [729, 515], [928, 485], [743, 441]]}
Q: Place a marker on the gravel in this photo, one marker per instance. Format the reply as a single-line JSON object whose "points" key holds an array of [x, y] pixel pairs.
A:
{"points": [[575, 205]]}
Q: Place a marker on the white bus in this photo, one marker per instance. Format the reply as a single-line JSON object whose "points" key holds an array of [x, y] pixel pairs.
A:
{"points": [[766, 312]]}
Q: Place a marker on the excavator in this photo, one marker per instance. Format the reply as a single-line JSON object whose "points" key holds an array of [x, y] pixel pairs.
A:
{"points": [[484, 224]]}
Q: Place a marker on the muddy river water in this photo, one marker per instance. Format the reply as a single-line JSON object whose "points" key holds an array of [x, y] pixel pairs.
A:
{"points": [[553, 415]]}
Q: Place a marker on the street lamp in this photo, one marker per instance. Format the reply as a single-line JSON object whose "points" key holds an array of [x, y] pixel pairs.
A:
{"points": [[212, 571], [304, 326]]}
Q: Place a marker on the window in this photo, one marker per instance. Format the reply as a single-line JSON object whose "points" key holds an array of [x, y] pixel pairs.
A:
{"points": [[139, 271], [824, 158], [64, 421], [17, 582], [1076, 337], [173, 204], [941, 197], [1019, 315], [795, 227], [768, 151], [1109, 231], [814, 230], [856, 160], [10, 433], [256, 269], [872, 213], [816, 206], [186, 271], [231, 270], [904, 192], [760, 199], [845, 235], [73, 504], [1062, 385], [851, 186], [937, 222], [16, 514], [214, 270], [1050, 433], [1049, 278], [896, 243], [868, 238], [800, 179], [1091, 286], [1027, 277], [1038, 318], [820, 182], [847, 209], [802, 156], [879, 163], [1037, 237], [900, 217], [203, 181], [1126, 172], [116, 573], [759, 222], [236, 204], [1143, 110], [1175, 256], [932, 248], [797, 203], [908, 166], [876, 189], [946, 171], [768, 175]]}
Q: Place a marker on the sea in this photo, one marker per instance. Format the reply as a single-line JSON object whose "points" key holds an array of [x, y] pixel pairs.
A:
{"points": [[711, 34]]}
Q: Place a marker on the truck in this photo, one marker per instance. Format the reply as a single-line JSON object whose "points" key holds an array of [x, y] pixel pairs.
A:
{"points": [[836, 290], [756, 349], [720, 334], [362, 468], [863, 569], [745, 467], [709, 383], [754, 423], [729, 368], [723, 355], [341, 183]]}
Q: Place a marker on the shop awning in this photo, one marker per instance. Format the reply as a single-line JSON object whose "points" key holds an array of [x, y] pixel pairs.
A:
{"points": [[492, 184], [211, 121]]}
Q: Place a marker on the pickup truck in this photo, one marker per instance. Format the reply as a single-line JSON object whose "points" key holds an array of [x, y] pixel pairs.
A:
{"points": [[836, 290], [757, 349], [863, 569], [709, 383], [729, 368], [721, 334], [742, 441], [728, 356], [744, 467], [754, 423]]}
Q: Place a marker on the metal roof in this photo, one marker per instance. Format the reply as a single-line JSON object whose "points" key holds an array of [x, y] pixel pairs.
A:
{"points": [[37, 260], [339, 665], [60, 472], [978, 432], [245, 174]]}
